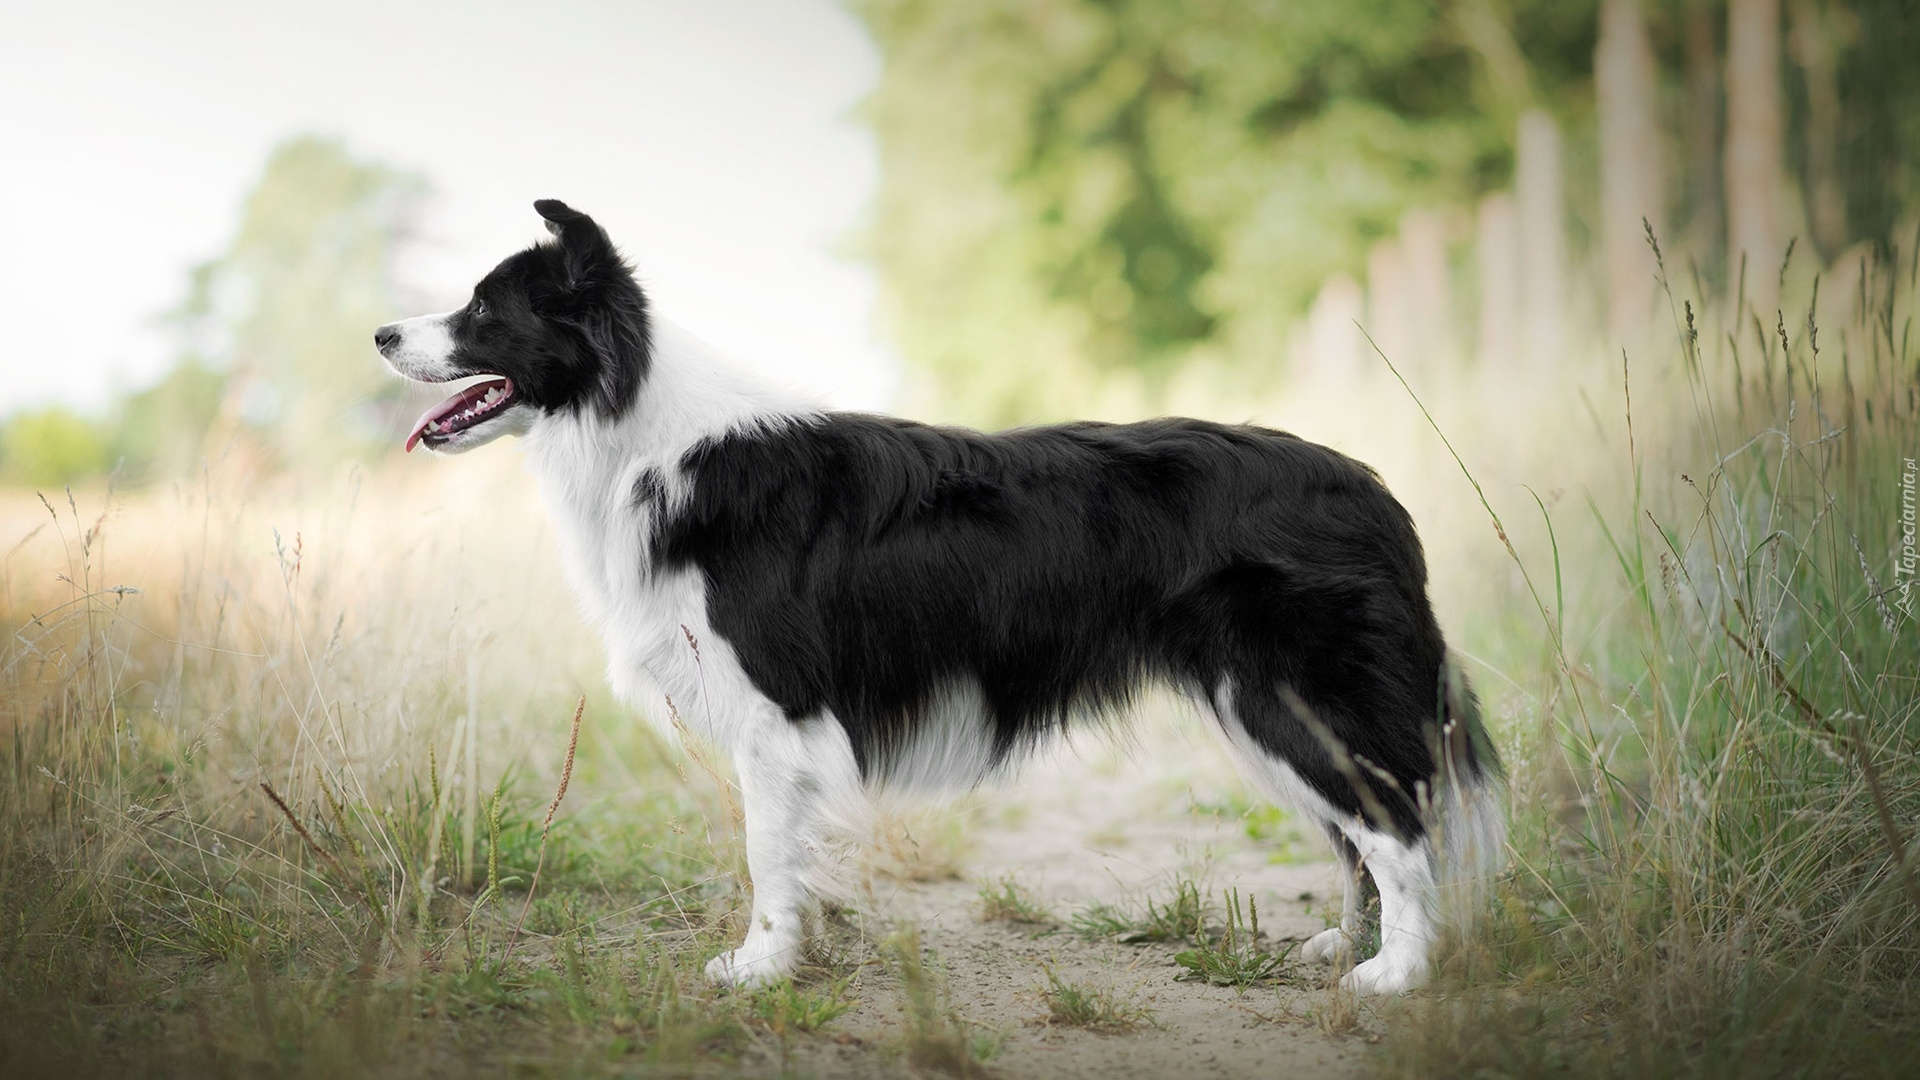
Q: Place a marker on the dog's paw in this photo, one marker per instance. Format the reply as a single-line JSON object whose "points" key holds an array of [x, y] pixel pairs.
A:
{"points": [[1333, 946], [751, 965], [1386, 974]]}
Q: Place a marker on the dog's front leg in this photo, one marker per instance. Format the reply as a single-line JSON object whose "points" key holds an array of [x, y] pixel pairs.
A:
{"points": [[781, 796], [1335, 945]]}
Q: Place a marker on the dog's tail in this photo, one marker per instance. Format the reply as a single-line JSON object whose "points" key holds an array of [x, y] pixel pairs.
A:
{"points": [[1467, 817]]}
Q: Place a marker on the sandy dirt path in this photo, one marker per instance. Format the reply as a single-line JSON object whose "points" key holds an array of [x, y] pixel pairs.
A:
{"points": [[1102, 822]]}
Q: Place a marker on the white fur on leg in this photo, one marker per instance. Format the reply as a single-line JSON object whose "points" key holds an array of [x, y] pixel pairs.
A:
{"points": [[761, 959], [1335, 945], [1330, 946], [777, 930], [790, 777], [1277, 780], [1404, 874]]}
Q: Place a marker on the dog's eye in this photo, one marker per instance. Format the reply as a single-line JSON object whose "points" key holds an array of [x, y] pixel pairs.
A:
{"points": [[478, 309]]}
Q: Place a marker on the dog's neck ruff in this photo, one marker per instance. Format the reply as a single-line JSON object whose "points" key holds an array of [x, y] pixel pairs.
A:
{"points": [[691, 394], [590, 467]]}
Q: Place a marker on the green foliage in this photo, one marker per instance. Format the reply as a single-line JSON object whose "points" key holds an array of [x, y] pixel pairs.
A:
{"points": [[1716, 868], [1095, 1007], [1880, 86], [1235, 956], [1270, 826], [157, 431], [274, 335], [50, 447], [1182, 917], [1276, 829], [786, 1007], [162, 430], [287, 310], [1179, 917], [1073, 188], [1006, 900], [1100, 922]]}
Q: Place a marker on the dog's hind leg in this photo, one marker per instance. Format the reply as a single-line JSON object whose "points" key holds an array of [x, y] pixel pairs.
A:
{"points": [[790, 776], [1400, 868], [1274, 777]]}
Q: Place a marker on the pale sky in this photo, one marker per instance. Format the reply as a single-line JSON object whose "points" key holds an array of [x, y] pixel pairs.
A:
{"points": [[715, 139]]}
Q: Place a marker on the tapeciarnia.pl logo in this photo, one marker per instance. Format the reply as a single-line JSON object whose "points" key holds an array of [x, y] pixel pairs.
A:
{"points": [[1907, 561]]}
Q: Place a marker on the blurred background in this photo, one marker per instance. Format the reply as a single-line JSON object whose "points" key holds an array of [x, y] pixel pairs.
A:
{"points": [[217, 201], [990, 212]]}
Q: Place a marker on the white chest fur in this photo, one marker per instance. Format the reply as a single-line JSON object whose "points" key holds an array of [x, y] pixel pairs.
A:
{"points": [[660, 646]]}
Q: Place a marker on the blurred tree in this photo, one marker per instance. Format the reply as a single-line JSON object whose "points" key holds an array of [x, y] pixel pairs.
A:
{"points": [[1704, 210], [274, 335], [285, 314], [1632, 184], [1754, 159], [161, 431], [1078, 186], [1815, 45], [1878, 145], [48, 447], [1083, 194]]}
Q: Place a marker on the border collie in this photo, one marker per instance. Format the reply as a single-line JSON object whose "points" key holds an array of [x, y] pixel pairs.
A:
{"points": [[847, 602]]}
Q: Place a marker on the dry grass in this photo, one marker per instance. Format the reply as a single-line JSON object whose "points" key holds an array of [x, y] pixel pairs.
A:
{"points": [[1688, 644], [1005, 899], [271, 785], [1094, 1005], [921, 845], [934, 1037], [1713, 871]]}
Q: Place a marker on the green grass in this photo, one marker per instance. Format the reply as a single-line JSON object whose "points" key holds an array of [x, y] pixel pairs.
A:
{"points": [[1713, 865], [1178, 917], [788, 1007], [1101, 921], [934, 1037], [1274, 828], [1094, 1006], [1233, 957], [1004, 899], [1694, 658], [237, 836]]}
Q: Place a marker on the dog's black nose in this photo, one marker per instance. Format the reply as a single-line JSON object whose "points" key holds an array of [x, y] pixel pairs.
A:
{"points": [[384, 337]]}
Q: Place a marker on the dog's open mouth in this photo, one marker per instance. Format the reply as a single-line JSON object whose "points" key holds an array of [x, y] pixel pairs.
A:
{"points": [[470, 406]]}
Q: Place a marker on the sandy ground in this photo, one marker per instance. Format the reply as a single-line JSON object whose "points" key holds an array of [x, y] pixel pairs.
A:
{"points": [[1100, 822]]}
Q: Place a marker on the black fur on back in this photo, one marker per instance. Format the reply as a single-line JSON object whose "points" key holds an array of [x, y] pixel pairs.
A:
{"points": [[862, 564]]}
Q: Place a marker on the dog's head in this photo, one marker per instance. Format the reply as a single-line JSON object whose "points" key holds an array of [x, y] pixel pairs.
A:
{"points": [[558, 328]]}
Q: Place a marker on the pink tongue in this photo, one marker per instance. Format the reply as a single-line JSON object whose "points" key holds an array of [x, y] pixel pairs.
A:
{"points": [[453, 405]]}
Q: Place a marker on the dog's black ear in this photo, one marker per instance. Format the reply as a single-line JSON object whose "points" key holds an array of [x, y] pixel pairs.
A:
{"points": [[601, 301], [558, 214], [588, 250]]}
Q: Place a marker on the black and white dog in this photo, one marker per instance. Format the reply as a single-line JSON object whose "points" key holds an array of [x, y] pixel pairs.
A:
{"points": [[846, 601]]}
